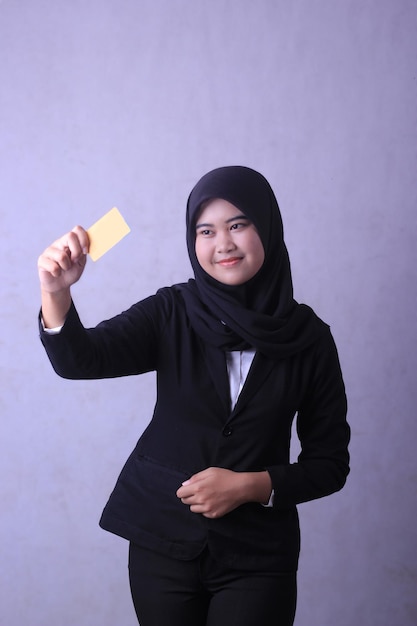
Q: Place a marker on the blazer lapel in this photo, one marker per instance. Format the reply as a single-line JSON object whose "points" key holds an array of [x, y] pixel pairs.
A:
{"points": [[258, 373], [216, 364]]}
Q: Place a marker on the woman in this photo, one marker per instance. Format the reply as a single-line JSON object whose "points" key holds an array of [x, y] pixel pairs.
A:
{"points": [[208, 497]]}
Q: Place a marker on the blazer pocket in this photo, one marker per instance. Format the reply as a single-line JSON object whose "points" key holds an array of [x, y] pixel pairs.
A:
{"points": [[149, 492]]}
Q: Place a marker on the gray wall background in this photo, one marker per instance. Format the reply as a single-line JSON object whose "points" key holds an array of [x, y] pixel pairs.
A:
{"points": [[128, 103]]}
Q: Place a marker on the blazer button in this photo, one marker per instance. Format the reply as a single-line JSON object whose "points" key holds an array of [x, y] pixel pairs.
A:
{"points": [[227, 431]]}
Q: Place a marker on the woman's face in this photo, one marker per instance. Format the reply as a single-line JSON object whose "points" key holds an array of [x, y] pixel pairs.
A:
{"points": [[227, 244]]}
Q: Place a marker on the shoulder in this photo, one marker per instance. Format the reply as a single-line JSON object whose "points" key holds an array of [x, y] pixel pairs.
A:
{"points": [[323, 346], [161, 306]]}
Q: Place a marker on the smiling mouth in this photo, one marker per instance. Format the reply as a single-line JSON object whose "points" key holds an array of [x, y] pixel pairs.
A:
{"points": [[229, 262]]}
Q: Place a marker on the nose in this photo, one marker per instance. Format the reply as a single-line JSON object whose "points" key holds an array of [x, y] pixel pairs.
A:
{"points": [[225, 242]]}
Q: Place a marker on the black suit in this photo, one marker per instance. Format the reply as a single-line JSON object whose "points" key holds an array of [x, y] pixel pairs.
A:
{"points": [[193, 427]]}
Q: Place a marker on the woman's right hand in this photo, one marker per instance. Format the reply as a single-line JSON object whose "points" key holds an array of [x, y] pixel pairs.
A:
{"points": [[62, 263]]}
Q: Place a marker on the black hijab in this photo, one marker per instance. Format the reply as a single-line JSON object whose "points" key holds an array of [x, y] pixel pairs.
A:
{"points": [[262, 312]]}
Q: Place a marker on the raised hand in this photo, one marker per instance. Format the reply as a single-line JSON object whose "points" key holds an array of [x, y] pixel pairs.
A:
{"points": [[62, 263], [59, 267]]}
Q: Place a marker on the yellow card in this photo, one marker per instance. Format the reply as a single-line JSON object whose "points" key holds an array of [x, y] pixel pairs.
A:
{"points": [[105, 233]]}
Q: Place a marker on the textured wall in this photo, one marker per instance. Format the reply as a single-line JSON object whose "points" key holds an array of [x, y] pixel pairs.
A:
{"points": [[128, 103]]}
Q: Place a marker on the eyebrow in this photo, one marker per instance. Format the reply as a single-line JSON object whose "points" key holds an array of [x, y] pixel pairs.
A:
{"points": [[231, 219]]}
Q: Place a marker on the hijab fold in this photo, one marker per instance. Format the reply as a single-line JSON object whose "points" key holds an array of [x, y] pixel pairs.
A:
{"points": [[262, 312]]}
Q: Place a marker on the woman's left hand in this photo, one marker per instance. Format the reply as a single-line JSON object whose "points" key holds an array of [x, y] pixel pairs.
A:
{"points": [[213, 492], [216, 491]]}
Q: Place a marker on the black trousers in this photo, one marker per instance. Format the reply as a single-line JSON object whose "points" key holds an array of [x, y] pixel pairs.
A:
{"points": [[202, 592]]}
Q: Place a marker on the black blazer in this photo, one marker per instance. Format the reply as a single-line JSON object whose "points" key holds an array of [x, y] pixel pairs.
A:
{"points": [[193, 427]]}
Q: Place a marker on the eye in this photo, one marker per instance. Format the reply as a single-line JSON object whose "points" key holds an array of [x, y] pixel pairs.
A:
{"points": [[239, 225], [204, 232]]}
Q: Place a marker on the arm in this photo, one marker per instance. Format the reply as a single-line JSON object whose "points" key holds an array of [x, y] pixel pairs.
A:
{"points": [[324, 434], [107, 351]]}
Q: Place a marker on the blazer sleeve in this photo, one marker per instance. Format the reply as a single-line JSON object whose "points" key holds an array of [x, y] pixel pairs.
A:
{"points": [[124, 345], [323, 431]]}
